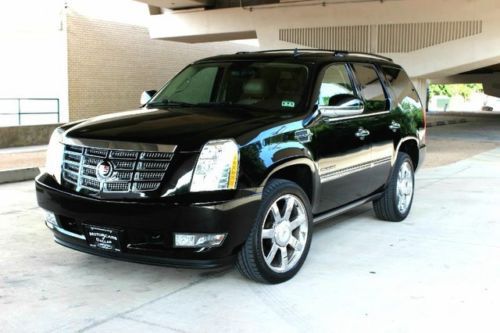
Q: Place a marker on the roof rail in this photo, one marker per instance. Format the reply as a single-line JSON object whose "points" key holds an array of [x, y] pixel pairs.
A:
{"points": [[297, 52], [366, 54]]}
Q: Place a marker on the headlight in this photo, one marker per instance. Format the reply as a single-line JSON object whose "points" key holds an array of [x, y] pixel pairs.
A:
{"points": [[55, 153], [217, 167]]}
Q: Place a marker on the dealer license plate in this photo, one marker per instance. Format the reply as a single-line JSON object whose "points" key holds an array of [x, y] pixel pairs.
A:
{"points": [[103, 238]]}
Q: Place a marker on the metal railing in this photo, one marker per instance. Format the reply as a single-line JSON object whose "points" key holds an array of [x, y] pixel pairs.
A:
{"points": [[20, 107]]}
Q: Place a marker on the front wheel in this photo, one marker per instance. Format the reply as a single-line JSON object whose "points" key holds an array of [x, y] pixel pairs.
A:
{"points": [[395, 203], [281, 236]]}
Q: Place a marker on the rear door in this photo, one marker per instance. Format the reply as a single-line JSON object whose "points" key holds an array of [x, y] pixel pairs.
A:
{"points": [[405, 102], [378, 123]]}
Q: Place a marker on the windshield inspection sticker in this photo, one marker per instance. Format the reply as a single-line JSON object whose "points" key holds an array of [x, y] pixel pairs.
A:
{"points": [[288, 104]]}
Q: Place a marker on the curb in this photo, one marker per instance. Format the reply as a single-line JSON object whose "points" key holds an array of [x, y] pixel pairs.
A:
{"points": [[18, 175], [446, 122]]}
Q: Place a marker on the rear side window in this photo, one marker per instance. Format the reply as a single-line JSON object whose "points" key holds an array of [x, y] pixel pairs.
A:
{"points": [[403, 90], [371, 88]]}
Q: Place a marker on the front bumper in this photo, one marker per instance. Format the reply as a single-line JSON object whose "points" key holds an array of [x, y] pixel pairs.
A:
{"points": [[147, 227]]}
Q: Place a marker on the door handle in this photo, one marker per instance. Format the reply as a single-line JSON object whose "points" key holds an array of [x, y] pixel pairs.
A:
{"points": [[362, 133], [394, 126]]}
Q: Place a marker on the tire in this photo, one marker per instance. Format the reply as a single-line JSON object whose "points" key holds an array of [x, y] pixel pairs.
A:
{"points": [[390, 207], [283, 241]]}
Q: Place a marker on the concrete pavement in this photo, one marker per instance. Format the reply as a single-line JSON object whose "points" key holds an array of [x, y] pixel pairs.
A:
{"points": [[436, 271], [452, 143]]}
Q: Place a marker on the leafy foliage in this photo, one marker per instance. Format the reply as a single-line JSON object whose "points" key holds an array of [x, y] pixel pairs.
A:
{"points": [[464, 90]]}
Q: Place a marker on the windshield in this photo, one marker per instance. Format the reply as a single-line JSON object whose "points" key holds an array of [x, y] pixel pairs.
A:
{"points": [[260, 85]]}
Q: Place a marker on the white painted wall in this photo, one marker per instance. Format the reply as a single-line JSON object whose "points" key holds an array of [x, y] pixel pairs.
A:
{"points": [[33, 54]]}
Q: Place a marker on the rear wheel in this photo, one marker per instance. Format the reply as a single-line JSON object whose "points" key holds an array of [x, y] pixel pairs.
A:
{"points": [[395, 203], [280, 238]]}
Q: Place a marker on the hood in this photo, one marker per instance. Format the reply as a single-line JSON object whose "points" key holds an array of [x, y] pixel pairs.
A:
{"points": [[189, 128]]}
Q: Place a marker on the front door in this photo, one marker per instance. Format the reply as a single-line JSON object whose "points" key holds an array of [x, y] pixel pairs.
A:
{"points": [[341, 144]]}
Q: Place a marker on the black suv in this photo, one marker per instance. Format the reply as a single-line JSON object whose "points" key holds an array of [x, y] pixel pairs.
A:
{"points": [[235, 159]]}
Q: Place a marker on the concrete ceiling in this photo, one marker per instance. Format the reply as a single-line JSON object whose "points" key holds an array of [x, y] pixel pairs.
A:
{"points": [[178, 4], [485, 70], [217, 4]]}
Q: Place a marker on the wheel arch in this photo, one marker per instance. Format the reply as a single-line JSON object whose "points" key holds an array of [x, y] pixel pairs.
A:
{"points": [[410, 146], [302, 171]]}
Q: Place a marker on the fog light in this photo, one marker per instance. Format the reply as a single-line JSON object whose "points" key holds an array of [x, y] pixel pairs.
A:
{"points": [[50, 220], [198, 240]]}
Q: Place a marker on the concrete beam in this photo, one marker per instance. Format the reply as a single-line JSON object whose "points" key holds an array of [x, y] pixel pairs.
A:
{"points": [[153, 10], [176, 4], [264, 22], [203, 26], [215, 37]]}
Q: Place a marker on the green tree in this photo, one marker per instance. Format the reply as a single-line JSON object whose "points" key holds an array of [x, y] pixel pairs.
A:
{"points": [[464, 90], [439, 90]]}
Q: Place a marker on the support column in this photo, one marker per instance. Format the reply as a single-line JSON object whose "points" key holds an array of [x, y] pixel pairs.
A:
{"points": [[421, 85]]}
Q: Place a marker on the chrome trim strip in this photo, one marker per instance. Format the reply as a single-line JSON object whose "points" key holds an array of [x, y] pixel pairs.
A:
{"points": [[72, 163], [331, 120], [119, 145], [332, 175], [328, 215], [65, 232], [73, 153]]}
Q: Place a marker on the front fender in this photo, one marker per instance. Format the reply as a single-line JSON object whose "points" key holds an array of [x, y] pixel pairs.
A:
{"points": [[259, 159], [273, 150]]}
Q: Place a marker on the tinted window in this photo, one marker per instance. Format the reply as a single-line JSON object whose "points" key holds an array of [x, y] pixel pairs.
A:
{"points": [[194, 85], [404, 92], [371, 88], [335, 83], [263, 85]]}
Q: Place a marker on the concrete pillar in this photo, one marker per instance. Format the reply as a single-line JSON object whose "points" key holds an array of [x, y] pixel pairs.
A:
{"points": [[421, 85]]}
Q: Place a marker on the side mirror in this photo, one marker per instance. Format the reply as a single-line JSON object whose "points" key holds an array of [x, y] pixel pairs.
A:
{"points": [[342, 105], [146, 96]]}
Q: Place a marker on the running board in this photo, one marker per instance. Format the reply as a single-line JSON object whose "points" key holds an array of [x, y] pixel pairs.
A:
{"points": [[336, 212]]}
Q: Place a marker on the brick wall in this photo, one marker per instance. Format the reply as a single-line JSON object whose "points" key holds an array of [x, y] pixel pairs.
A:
{"points": [[110, 64]]}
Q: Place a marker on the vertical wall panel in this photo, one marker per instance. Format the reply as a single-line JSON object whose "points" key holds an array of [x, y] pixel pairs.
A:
{"points": [[389, 38], [353, 38], [407, 37]]}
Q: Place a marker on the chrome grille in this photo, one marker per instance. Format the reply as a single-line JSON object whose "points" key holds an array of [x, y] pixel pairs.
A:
{"points": [[130, 172]]}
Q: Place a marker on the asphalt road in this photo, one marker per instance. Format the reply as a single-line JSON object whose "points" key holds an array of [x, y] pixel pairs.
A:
{"points": [[436, 271]]}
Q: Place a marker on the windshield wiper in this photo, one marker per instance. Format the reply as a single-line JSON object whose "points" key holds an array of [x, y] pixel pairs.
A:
{"points": [[166, 103]]}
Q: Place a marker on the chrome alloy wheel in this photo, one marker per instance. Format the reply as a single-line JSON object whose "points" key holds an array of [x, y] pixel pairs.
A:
{"points": [[404, 187], [284, 233]]}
